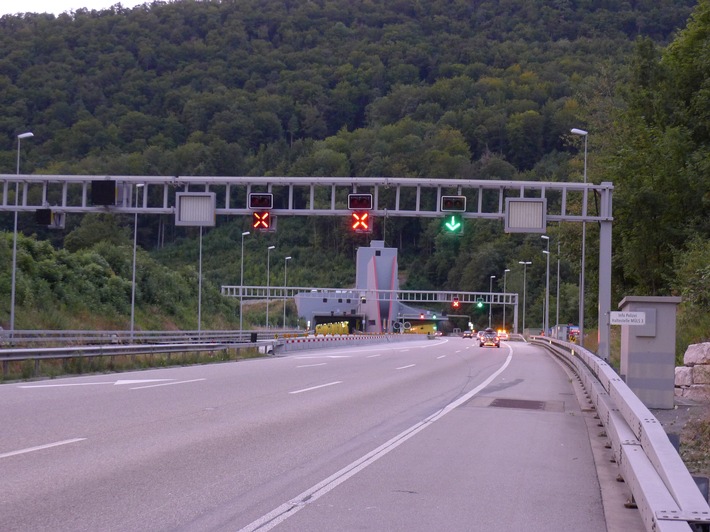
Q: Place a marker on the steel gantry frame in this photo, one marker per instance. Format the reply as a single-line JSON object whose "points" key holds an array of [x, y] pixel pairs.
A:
{"points": [[327, 196]]}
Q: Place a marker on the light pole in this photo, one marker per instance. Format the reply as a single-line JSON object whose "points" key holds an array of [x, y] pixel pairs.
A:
{"points": [[525, 271], [557, 307], [241, 283], [268, 281], [585, 134], [490, 301], [133, 283], [14, 236], [286, 259], [546, 321], [505, 274]]}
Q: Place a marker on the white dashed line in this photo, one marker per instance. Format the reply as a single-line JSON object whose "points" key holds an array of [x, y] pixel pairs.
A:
{"points": [[315, 387]]}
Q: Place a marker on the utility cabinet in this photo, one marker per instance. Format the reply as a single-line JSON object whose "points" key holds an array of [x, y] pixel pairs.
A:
{"points": [[648, 347]]}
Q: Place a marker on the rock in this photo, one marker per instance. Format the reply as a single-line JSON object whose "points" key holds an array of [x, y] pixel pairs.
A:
{"points": [[697, 354], [684, 375], [701, 374], [697, 392]]}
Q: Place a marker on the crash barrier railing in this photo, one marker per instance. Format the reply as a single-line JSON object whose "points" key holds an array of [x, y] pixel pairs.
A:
{"points": [[662, 488], [57, 345], [286, 345], [82, 337]]}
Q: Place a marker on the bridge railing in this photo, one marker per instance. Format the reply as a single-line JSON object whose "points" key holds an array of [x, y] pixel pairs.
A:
{"points": [[665, 493]]}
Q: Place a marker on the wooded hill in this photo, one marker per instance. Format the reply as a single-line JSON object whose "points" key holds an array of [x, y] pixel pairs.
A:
{"points": [[446, 89]]}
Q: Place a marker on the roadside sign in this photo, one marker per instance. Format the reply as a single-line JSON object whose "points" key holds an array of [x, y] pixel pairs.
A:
{"points": [[627, 318]]}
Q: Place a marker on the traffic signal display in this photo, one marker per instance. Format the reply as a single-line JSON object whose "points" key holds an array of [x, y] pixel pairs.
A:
{"points": [[259, 200], [479, 303], [103, 192], [361, 222], [455, 303], [261, 220], [453, 204], [453, 224], [360, 202]]}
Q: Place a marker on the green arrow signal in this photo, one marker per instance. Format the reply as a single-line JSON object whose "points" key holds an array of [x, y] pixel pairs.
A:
{"points": [[454, 224]]}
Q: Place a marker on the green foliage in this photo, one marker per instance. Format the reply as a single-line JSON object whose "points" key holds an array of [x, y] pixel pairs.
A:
{"points": [[415, 89]]}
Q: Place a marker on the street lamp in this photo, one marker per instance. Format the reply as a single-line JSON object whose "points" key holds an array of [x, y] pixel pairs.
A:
{"points": [[241, 283], [490, 301], [585, 134], [505, 274], [14, 235], [268, 281], [525, 271], [557, 308], [285, 270], [133, 283], [546, 321]]}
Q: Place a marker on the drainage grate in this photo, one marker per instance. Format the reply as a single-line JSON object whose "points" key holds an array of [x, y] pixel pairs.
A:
{"points": [[518, 403]]}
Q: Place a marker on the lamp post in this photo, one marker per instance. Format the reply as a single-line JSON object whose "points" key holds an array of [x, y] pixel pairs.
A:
{"points": [[557, 307], [584, 134], [525, 271], [133, 282], [21, 136], [268, 281], [285, 270], [546, 321], [505, 274], [241, 283], [490, 295]]}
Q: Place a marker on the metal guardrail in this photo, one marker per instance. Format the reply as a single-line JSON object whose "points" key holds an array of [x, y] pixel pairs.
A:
{"points": [[83, 337], [665, 493], [37, 346]]}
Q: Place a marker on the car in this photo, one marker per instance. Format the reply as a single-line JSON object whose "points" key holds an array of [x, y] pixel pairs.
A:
{"points": [[468, 334], [503, 334], [489, 339]]}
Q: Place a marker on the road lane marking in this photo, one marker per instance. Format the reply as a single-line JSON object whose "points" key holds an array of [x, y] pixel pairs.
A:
{"points": [[29, 386], [441, 356], [165, 384], [114, 383], [287, 509], [405, 367], [41, 447], [374, 356], [316, 387], [311, 365]]}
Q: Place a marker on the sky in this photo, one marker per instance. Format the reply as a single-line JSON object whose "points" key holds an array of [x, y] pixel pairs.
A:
{"points": [[12, 7]]}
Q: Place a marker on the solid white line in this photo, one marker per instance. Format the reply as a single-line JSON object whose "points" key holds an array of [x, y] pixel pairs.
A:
{"points": [[311, 365], [63, 385], [316, 387], [40, 447], [165, 384], [287, 509], [405, 367]]}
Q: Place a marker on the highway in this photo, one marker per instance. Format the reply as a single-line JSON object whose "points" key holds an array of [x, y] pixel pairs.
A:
{"points": [[416, 436]]}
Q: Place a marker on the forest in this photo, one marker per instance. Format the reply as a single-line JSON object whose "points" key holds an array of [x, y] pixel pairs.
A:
{"points": [[440, 89]]}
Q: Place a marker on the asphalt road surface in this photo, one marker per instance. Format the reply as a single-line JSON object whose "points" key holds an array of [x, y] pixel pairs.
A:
{"points": [[418, 436]]}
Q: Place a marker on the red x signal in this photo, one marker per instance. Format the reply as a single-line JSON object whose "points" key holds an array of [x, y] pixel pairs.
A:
{"points": [[261, 221], [360, 222]]}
